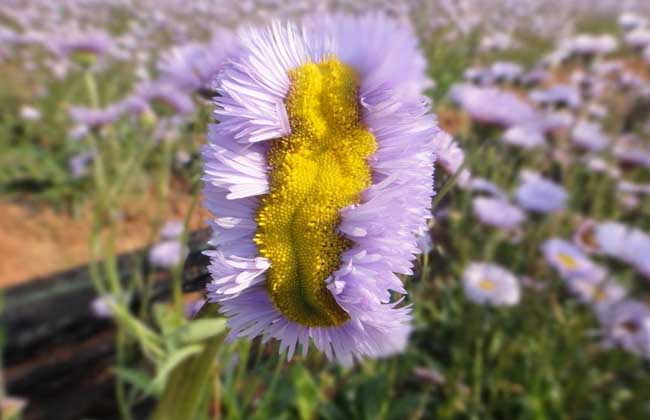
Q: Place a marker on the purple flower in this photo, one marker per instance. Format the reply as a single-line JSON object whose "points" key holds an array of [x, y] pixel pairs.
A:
{"points": [[91, 44], [638, 38], [492, 105], [194, 66], [94, 117], [498, 213], [584, 236], [629, 245], [450, 157], [167, 96], [539, 194], [172, 229], [78, 164], [627, 325], [505, 71], [630, 151], [167, 253], [570, 261], [524, 136], [271, 94], [491, 284], [558, 96], [589, 136], [482, 185]]}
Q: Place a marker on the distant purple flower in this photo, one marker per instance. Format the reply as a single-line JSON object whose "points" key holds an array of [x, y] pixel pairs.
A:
{"points": [[627, 325], [71, 43], [78, 164], [584, 236], [570, 261], [557, 120], [627, 244], [449, 156], [505, 71], [534, 77], [498, 213], [600, 165], [169, 96], [491, 284], [193, 66], [94, 117], [482, 185], [638, 38], [524, 136], [101, 306], [172, 229], [558, 96], [539, 194], [590, 45], [478, 75], [599, 293], [492, 105], [629, 21], [632, 152], [29, 113], [589, 136], [167, 253]]}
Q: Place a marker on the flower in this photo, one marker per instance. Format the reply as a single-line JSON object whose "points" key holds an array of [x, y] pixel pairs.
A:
{"points": [[482, 185], [319, 175], [87, 45], [627, 325], [570, 261], [629, 245], [558, 96], [498, 213], [490, 284], [525, 136], [193, 66], [589, 136], [584, 236], [450, 157], [167, 253], [30, 113], [79, 163], [539, 194], [492, 105], [600, 294]]}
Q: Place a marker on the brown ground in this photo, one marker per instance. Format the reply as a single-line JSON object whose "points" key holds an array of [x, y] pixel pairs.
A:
{"points": [[38, 241]]}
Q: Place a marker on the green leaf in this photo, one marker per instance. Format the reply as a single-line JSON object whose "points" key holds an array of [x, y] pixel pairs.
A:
{"points": [[199, 330], [139, 379], [173, 360]]}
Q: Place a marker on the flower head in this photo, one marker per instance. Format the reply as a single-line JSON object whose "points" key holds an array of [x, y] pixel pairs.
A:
{"points": [[627, 325], [319, 175], [493, 106], [498, 213], [491, 284], [569, 260], [539, 194]]}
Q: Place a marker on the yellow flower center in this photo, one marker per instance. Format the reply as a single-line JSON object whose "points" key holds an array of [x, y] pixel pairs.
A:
{"points": [[487, 285], [314, 172], [567, 261]]}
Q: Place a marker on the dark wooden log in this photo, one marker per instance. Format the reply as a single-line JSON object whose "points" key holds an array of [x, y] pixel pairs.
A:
{"points": [[58, 353]]}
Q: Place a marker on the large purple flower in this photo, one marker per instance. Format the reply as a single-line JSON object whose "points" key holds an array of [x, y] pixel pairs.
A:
{"points": [[319, 174]]}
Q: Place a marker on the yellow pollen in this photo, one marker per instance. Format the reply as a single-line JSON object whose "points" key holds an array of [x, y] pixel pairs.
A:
{"points": [[487, 285], [314, 172], [567, 261]]}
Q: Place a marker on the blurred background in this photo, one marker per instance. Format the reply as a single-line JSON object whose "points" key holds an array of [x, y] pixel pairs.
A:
{"points": [[531, 297]]}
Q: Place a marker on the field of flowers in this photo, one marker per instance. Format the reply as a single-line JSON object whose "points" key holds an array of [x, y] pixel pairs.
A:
{"points": [[416, 209]]}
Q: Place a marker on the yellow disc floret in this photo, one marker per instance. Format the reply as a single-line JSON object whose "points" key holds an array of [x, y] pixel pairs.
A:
{"points": [[314, 172]]}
